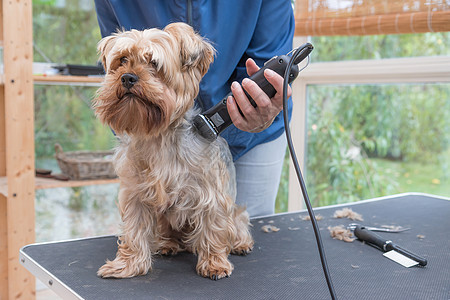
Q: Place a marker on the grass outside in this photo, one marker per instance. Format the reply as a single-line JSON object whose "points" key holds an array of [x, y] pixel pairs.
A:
{"points": [[408, 176], [416, 177]]}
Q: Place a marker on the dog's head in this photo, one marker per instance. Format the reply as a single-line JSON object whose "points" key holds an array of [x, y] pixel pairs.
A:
{"points": [[152, 77]]}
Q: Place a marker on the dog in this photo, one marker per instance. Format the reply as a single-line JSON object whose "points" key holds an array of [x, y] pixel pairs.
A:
{"points": [[177, 190]]}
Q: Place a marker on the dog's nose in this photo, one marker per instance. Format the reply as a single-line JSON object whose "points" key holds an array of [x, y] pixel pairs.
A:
{"points": [[128, 80]]}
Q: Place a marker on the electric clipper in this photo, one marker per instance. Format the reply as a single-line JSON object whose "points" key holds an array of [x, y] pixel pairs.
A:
{"points": [[212, 122]]}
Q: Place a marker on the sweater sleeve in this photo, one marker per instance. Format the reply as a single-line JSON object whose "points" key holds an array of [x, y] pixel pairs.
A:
{"points": [[273, 34], [106, 17]]}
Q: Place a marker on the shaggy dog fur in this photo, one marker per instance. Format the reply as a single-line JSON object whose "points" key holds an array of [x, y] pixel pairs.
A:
{"points": [[177, 190]]}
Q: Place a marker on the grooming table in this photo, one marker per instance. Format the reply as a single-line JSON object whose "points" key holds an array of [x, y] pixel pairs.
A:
{"points": [[283, 265]]}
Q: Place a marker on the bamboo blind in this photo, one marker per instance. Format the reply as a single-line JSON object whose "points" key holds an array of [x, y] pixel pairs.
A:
{"points": [[366, 17]]}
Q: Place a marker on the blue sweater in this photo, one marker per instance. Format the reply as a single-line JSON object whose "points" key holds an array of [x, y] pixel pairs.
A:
{"points": [[238, 29]]}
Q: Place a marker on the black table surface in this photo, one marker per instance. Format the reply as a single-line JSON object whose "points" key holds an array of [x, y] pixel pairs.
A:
{"points": [[283, 265]]}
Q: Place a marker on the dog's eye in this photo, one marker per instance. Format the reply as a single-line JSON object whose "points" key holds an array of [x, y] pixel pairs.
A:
{"points": [[123, 60], [154, 64]]}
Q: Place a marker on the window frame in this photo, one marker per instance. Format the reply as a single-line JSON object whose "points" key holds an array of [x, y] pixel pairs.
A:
{"points": [[434, 69]]}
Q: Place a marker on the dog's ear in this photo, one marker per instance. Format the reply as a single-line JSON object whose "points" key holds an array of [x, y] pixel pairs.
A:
{"points": [[104, 47], [195, 51]]}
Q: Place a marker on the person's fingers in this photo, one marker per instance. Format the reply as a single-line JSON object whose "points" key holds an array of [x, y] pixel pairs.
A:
{"points": [[241, 99], [236, 117], [251, 66], [277, 82], [258, 95], [242, 113]]}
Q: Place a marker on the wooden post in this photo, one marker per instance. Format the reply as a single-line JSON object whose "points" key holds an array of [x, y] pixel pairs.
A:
{"points": [[18, 159], [298, 122], [3, 223], [3, 214]]}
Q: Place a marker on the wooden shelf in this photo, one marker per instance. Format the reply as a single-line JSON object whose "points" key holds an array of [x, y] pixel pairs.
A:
{"points": [[63, 80], [46, 183], [68, 80]]}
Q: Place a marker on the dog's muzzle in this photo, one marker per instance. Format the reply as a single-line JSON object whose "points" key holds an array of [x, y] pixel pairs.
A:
{"points": [[128, 80]]}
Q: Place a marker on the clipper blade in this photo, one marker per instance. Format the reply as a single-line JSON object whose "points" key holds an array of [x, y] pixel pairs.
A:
{"points": [[205, 128]]}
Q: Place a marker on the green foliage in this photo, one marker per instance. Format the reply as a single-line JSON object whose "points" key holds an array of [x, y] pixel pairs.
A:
{"points": [[355, 131], [338, 48], [349, 125], [66, 33], [338, 170], [402, 121], [63, 115]]}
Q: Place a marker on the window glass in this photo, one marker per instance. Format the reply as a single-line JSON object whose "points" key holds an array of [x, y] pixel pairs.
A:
{"points": [[339, 48], [366, 141], [65, 31]]}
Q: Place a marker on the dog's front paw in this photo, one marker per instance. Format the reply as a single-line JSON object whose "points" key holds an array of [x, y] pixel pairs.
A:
{"points": [[171, 248], [244, 246], [122, 269], [215, 267], [110, 270], [242, 250]]}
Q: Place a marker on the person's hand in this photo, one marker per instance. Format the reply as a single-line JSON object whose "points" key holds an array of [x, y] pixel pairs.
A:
{"points": [[255, 119]]}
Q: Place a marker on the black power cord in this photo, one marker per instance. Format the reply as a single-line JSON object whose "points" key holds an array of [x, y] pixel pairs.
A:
{"points": [[323, 259]]}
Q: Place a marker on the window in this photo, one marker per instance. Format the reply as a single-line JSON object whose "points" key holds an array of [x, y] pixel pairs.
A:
{"points": [[404, 97], [367, 141]]}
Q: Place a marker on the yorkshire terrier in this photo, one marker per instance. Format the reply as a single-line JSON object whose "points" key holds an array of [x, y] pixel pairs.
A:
{"points": [[177, 190]]}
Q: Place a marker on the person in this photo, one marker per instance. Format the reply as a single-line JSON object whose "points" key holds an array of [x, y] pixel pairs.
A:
{"points": [[245, 34]]}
